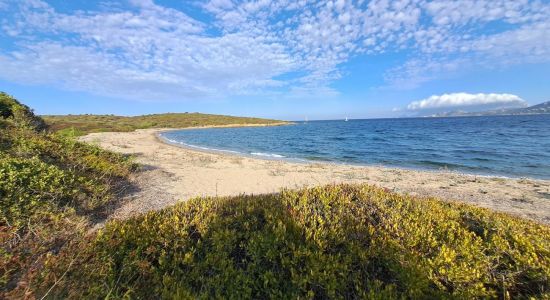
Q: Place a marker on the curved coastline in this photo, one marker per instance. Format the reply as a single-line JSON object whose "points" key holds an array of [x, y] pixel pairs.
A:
{"points": [[277, 157], [256, 155], [415, 145], [268, 156], [173, 173]]}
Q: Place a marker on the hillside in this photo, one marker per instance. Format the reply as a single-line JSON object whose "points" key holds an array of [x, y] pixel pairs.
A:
{"points": [[336, 241], [83, 124], [51, 190], [542, 108]]}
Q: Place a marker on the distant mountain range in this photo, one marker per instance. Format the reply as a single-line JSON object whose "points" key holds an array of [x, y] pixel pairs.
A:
{"points": [[542, 108]]}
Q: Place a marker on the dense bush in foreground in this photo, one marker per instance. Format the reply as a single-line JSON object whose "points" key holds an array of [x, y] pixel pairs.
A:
{"points": [[327, 242], [49, 188]]}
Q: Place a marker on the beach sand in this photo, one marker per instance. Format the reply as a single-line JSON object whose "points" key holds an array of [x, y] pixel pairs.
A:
{"points": [[173, 174]]}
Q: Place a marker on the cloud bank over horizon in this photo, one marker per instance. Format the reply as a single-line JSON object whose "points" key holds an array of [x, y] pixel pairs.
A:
{"points": [[146, 51], [466, 101]]}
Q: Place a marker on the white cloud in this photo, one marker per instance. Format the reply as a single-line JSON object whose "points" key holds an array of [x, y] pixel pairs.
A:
{"points": [[415, 72], [525, 44], [461, 100], [154, 53], [461, 39], [149, 51]]}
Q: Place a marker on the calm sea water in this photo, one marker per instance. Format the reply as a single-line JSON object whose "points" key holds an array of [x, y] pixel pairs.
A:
{"points": [[512, 146]]}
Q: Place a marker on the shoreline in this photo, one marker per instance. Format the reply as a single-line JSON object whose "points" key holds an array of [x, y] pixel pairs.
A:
{"points": [[176, 173], [190, 147], [277, 157]]}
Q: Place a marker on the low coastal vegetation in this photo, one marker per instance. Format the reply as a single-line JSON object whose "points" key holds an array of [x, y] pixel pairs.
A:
{"points": [[337, 241], [75, 125], [328, 242], [51, 188]]}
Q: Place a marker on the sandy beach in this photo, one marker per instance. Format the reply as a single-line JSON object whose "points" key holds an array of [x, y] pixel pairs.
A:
{"points": [[173, 174]]}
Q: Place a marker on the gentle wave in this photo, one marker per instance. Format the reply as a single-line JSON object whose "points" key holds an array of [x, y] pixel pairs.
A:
{"points": [[200, 147], [172, 141], [267, 154]]}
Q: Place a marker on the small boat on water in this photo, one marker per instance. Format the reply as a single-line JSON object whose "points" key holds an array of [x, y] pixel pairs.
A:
{"points": [[346, 119]]}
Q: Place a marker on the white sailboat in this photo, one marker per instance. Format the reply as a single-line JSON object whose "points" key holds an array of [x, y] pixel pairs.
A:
{"points": [[346, 119]]}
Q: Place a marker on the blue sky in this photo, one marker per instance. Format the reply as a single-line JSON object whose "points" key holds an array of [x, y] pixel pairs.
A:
{"points": [[279, 59]]}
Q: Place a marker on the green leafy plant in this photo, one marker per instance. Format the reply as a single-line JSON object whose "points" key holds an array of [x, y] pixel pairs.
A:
{"points": [[50, 186], [338, 241]]}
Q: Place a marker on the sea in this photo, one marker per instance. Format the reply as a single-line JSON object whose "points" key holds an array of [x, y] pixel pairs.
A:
{"points": [[507, 146]]}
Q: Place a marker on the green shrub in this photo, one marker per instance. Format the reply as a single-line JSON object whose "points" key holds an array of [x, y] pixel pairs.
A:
{"points": [[50, 187], [327, 242], [29, 187], [5, 109], [70, 132], [19, 114], [66, 153]]}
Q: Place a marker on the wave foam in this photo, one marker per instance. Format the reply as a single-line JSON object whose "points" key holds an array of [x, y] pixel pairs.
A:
{"points": [[267, 154], [199, 147]]}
